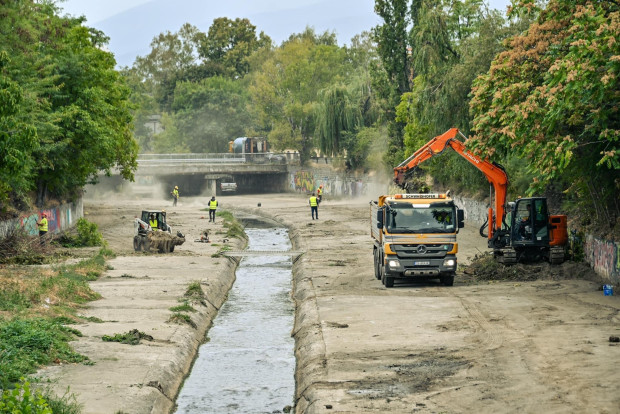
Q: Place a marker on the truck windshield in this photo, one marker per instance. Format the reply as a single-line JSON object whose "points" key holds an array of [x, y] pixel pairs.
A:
{"points": [[409, 218]]}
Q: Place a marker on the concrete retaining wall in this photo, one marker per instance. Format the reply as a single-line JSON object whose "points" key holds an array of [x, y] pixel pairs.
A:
{"points": [[59, 219], [307, 180], [604, 257]]}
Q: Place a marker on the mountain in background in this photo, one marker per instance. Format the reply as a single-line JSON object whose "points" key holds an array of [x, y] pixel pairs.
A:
{"points": [[132, 31]]}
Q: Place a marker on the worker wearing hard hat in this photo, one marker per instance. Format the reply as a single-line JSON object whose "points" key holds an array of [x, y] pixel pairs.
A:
{"points": [[43, 228], [175, 195]]}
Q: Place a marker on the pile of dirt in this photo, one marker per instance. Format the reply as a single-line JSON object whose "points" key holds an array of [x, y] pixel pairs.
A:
{"points": [[164, 242], [485, 268]]}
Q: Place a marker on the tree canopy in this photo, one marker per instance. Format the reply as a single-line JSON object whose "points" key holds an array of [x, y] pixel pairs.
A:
{"points": [[65, 117], [553, 98]]}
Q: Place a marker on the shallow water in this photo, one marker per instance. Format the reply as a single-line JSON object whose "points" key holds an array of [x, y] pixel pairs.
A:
{"points": [[247, 365]]}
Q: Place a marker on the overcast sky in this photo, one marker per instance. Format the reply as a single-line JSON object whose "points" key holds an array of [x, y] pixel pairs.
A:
{"points": [[96, 11], [132, 24]]}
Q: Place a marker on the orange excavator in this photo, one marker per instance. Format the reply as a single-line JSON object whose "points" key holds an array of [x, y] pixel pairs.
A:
{"points": [[517, 231]]}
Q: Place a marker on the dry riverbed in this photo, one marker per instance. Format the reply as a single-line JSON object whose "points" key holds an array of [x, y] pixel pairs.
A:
{"points": [[537, 343]]}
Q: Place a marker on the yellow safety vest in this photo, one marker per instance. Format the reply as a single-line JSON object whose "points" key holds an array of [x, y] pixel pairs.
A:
{"points": [[313, 202], [153, 224], [212, 204], [43, 224], [175, 193], [319, 191]]}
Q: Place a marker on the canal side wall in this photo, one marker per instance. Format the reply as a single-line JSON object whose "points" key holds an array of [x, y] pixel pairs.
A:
{"points": [[60, 218]]}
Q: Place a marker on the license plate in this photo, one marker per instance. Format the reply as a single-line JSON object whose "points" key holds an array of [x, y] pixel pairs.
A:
{"points": [[421, 263]]}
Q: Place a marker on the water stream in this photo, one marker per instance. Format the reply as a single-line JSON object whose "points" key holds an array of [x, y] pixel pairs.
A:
{"points": [[247, 365]]}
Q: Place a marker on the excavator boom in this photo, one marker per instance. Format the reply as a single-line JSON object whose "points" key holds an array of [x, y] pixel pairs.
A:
{"points": [[494, 173]]}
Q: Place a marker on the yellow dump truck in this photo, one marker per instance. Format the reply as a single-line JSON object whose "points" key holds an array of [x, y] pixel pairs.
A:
{"points": [[415, 236]]}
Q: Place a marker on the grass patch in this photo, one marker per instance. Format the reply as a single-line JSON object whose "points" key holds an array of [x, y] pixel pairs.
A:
{"points": [[181, 319], [194, 291], [132, 337], [185, 307], [234, 229], [27, 344], [36, 304], [92, 319]]}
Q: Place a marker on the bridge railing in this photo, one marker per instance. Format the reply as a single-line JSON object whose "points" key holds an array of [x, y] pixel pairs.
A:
{"points": [[215, 158]]}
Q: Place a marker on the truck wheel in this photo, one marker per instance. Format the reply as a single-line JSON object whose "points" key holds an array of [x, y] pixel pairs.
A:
{"points": [[388, 281], [377, 265], [137, 246], [447, 280]]}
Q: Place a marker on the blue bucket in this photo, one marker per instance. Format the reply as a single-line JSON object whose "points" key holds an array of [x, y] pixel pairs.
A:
{"points": [[608, 290]]}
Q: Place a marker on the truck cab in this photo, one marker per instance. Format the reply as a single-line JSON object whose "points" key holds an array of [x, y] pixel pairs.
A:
{"points": [[415, 236]]}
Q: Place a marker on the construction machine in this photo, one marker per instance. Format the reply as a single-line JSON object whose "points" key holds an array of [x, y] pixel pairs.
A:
{"points": [[414, 236], [522, 230], [159, 238]]}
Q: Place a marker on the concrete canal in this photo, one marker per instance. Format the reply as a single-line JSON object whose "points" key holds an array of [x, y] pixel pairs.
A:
{"points": [[247, 363]]}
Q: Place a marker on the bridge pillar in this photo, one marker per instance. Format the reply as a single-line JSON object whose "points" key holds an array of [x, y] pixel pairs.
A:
{"points": [[211, 187]]}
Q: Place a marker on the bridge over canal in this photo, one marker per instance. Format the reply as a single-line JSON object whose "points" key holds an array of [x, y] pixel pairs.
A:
{"points": [[201, 173]]}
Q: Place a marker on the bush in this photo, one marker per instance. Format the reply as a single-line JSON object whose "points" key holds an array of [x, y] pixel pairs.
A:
{"points": [[22, 400], [87, 235]]}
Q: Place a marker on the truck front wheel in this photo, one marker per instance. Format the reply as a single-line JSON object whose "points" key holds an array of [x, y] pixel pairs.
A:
{"points": [[388, 281], [447, 280]]}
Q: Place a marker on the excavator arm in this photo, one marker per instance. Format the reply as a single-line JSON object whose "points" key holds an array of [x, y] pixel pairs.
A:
{"points": [[494, 173]]}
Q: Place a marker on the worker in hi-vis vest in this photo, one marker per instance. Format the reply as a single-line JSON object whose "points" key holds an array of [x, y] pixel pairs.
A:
{"points": [[314, 206], [43, 228], [212, 208]]}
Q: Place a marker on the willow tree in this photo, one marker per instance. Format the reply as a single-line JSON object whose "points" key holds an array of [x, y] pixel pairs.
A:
{"points": [[336, 115]]}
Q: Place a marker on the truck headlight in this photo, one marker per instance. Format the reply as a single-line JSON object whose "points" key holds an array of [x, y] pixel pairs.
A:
{"points": [[393, 263], [449, 263]]}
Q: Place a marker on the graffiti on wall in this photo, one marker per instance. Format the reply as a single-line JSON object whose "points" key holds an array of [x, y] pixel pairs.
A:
{"points": [[58, 219], [304, 181], [604, 257]]}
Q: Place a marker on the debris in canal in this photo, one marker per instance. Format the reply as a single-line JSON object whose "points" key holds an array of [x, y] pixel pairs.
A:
{"points": [[132, 337]]}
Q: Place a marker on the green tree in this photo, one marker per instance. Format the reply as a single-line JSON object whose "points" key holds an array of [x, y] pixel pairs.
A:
{"points": [[284, 89], [92, 122], [553, 97], [173, 58], [336, 115], [69, 98], [226, 48], [18, 139], [392, 78], [210, 113]]}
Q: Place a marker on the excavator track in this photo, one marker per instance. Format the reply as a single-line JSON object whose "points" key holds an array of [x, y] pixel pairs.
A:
{"points": [[556, 255]]}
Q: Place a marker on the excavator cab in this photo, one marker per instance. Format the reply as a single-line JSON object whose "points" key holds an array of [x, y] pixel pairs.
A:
{"points": [[530, 222]]}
